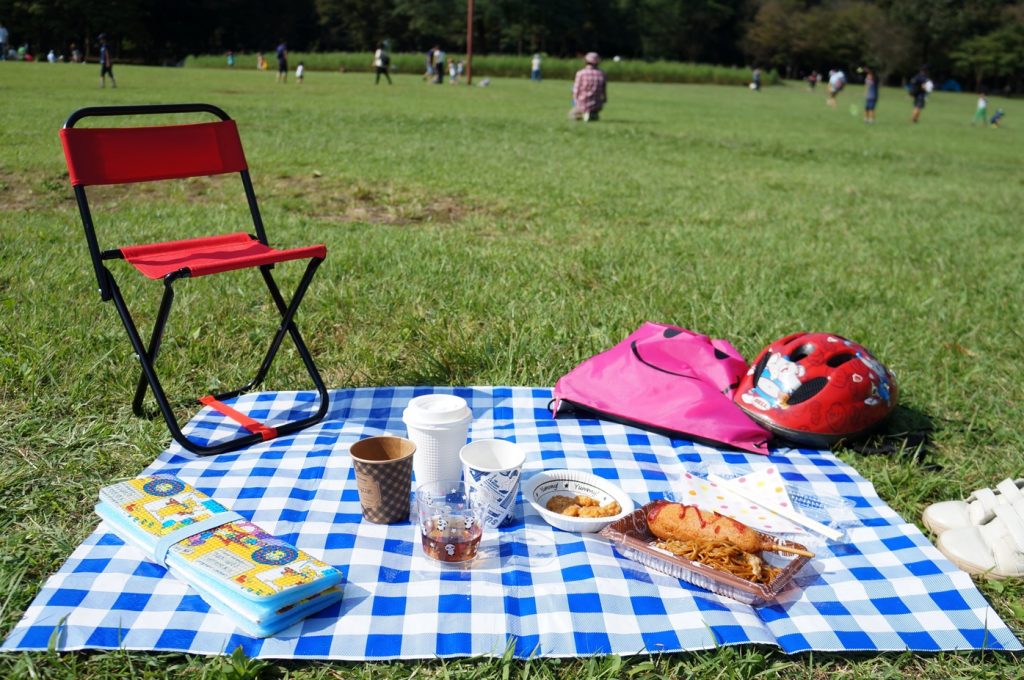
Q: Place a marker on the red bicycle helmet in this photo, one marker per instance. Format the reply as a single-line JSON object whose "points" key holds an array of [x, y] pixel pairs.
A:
{"points": [[817, 388]]}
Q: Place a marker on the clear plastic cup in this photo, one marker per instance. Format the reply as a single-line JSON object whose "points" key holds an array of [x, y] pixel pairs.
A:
{"points": [[450, 523]]}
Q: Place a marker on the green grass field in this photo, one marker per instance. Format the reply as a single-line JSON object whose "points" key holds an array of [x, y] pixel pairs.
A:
{"points": [[476, 236]]}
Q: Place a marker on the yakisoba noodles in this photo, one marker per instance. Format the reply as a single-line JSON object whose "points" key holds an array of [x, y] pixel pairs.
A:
{"points": [[724, 557], [715, 540]]}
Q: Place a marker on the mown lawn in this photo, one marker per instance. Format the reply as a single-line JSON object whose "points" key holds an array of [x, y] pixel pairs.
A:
{"points": [[478, 237]]}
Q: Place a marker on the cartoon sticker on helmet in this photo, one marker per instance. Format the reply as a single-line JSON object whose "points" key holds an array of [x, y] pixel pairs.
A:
{"points": [[777, 382], [881, 391]]}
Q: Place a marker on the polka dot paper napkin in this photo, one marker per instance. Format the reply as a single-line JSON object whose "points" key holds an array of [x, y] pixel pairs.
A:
{"points": [[765, 484]]}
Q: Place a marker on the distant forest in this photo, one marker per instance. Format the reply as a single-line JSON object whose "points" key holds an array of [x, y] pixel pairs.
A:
{"points": [[980, 42]]}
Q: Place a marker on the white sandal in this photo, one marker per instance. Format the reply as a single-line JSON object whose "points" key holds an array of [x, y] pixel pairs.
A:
{"points": [[976, 510], [994, 549]]}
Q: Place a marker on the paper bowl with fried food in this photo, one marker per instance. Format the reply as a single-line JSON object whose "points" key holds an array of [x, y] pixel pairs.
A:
{"points": [[576, 501]]}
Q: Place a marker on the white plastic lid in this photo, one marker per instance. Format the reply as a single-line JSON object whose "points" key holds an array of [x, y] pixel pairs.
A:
{"points": [[436, 409]]}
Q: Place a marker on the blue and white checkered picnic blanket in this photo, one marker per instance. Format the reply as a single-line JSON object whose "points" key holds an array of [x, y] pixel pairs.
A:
{"points": [[544, 592]]}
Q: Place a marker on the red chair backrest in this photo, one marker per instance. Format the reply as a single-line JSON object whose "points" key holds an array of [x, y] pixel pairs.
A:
{"points": [[145, 154]]}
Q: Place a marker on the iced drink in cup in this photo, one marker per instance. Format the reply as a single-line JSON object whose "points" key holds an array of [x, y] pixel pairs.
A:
{"points": [[438, 423], [450, 526]]}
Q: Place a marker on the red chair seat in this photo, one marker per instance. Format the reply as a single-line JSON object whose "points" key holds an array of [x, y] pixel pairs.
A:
{"points": [[211, 255]]}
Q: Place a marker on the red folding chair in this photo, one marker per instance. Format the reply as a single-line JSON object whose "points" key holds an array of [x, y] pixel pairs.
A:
{"points": [[123, 155]]}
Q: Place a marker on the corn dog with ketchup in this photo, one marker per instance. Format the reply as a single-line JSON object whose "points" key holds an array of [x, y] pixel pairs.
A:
{"points": [[674, 521]]}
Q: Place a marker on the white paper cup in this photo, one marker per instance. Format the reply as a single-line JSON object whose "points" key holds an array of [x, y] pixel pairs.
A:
{"points": [[438, 424], [492, 468]]}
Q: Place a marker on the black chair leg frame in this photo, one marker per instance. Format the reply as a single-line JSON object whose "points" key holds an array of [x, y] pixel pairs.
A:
{"points": [[147, 358]]}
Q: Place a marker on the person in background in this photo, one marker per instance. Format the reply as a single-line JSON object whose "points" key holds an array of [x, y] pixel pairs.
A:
{"points": [[812, 80], [836, 83], [51, 57], [981, 113], [300, 71], [231, 59], [440, 59], [756, 77], [428, 72], [4, 35], [998, 116], [282, 62], [381, 62], [589, 90], [535, 68], [920, 86], [106, 63], [453, 72], [76, 54], [870, 94], [261, 62]]}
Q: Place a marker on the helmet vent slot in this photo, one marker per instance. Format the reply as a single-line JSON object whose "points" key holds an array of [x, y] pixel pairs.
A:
{"points": [[759, 368], [839, 359], [801, 352], [807, 390]]}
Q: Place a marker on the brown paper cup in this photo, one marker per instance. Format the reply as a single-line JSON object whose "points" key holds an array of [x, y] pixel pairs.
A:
{"points": [[383, 468]]}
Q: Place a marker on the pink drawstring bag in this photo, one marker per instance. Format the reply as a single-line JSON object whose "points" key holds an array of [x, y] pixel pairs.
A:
{"points": [[668, 380]]}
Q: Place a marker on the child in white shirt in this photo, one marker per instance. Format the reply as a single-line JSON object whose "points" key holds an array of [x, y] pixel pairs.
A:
{"points": [[981, 113]]}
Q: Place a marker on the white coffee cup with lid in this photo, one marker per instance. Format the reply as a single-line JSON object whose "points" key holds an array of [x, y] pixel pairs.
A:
{"points": [[438, 424]]}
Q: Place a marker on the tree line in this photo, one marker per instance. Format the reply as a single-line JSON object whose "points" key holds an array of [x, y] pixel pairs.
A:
{"points": [[980, 42]]}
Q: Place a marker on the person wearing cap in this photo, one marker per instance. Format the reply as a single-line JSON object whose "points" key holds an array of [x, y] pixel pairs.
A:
{"points": [[589, 91], [106, 62]]}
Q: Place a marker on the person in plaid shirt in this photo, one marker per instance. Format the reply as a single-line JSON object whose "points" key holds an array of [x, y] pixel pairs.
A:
{"points": [[589, 92]]}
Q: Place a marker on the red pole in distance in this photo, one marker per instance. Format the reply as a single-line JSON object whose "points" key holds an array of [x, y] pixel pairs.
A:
{"points": [[469, 42]]}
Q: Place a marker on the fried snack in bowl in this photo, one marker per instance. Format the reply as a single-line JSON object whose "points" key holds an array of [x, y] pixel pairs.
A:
{"points": [[576, 501], [714, 564], [582, 506]]}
